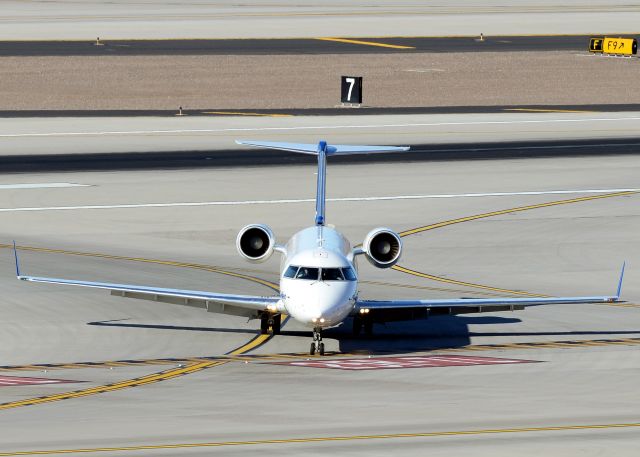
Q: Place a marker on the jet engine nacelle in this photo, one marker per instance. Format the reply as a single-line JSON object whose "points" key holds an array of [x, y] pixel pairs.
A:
{"points": [[383, 247], [255, 242]]}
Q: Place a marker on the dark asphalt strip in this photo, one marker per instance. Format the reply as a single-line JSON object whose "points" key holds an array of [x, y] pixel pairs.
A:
{"points": [[232, 158], [294, 46], [346, 111]]}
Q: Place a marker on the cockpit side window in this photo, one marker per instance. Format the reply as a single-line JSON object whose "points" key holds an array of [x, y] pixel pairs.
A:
{"points": [[349, 274], [332, 274], [291, 271], [310, 273]]}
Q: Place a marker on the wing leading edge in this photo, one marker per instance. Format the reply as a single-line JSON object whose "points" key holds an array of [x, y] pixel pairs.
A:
{"points": [[240, 305], [403, 309]]}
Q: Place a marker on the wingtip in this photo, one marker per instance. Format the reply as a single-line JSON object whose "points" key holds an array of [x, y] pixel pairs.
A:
{"points": [[15, 256], [619, 290]]}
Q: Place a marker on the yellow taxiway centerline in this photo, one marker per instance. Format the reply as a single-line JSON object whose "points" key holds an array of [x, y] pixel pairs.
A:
{"points": [[155, 377], [492, 214], [514, 210], [172, 263], [365, 43], [329, 439], [462, 283]]}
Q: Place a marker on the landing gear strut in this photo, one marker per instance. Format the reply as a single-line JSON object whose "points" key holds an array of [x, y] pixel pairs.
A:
{"points": [[359, 323], [317, 345], [270, 322]]}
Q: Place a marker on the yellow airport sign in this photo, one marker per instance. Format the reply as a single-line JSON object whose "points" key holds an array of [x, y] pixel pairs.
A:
{"points": [[616, 46], [595, 44]]}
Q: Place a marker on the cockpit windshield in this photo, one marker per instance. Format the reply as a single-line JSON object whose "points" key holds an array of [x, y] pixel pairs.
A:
{"points": [[311, 273], [326, 274], [291, 271], [349, 274], [332, 274]]}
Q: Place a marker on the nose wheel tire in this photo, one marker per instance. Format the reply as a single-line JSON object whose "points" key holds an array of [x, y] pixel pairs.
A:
{"points": [[317, 346]]}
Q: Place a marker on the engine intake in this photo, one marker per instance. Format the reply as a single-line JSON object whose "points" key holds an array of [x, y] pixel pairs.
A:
{"points": [[255, 242], [383, 247]]}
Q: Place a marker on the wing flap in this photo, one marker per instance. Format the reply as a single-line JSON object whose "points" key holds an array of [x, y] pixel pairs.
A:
{"points": [[207, 305]]}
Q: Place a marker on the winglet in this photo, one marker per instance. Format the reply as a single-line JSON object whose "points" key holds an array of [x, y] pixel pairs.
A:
{"points": [[15, 256], [620, 281]]}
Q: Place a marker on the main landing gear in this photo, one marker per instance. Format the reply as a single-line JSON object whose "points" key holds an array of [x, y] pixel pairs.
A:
{"points": [[270, 322], [359, 323], [317, 346]]}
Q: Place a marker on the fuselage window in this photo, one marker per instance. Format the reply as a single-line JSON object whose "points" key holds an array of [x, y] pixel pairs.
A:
{"points": [[332, 274], [291, 271], [308, 273], [349, 274]]}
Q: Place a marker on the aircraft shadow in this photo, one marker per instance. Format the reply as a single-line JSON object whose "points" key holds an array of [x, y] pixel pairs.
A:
{"points": [[119, 323], [442, 332]]}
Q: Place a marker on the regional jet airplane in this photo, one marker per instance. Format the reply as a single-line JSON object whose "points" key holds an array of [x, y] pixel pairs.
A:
{"points": [[319, 276]]}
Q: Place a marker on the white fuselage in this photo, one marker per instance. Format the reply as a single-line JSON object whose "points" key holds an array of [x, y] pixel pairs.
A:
{"points": [[318, 282]]}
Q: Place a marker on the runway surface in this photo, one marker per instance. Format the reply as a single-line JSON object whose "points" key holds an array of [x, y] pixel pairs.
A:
{"points": [[161, 379], [337, 111], [63, 20], [48, 138], [321, 45]]}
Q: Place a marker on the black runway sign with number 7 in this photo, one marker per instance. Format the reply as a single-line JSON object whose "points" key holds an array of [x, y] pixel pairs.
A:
{"points": [[351, 89]]}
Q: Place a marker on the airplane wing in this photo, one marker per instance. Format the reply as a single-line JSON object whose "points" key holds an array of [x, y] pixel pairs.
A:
{"points": [[389, 310], [238, 305]]}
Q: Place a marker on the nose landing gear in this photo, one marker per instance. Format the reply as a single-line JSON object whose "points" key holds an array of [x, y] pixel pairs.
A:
{"points": [[317, 346]]}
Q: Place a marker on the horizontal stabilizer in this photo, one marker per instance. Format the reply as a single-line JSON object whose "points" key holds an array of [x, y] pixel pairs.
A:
{"points": [[331, 150]]}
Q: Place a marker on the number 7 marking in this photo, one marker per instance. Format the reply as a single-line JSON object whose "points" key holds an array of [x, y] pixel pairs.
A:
{"points": [[351, 82]]}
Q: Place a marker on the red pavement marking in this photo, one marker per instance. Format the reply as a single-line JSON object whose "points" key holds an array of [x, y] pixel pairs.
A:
{"points": [[383, 363], [20, 381]]}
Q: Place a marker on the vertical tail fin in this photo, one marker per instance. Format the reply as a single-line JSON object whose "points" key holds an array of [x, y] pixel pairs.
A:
{"points": [[322, 150], [321, 189]]}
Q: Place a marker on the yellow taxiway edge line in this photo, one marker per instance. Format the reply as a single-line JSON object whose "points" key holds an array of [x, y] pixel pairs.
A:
{"points": [[365, 43], [237, 113], [327, 439]]}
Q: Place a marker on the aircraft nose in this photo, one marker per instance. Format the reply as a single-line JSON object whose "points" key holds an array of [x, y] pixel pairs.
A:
{"points": [[321, 303]]}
